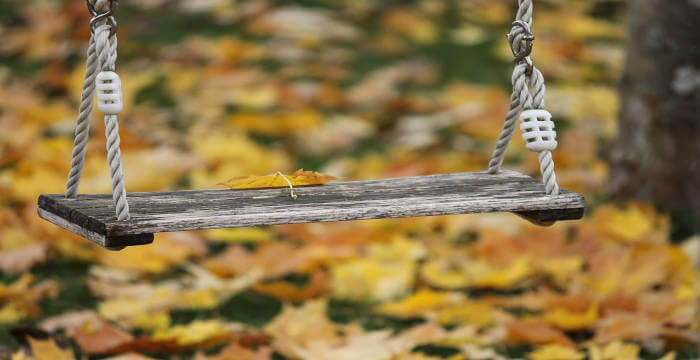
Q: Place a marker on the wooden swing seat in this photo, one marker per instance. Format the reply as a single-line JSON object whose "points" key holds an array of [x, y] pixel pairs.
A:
{"points": [[92, 216]]}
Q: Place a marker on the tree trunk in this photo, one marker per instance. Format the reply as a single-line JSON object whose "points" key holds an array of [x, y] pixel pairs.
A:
{"points": [[656, 156]]}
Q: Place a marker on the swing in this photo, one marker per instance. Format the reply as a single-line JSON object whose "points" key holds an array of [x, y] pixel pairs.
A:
{"points": [[113, 222]]}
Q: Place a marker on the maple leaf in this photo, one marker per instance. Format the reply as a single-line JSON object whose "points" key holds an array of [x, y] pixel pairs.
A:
{"points": [[556, 352], [100, 337], [238, 352], [44, 350], [536, 333], [273, 259], [317, 285], [240, 235], [617, 350], [167, 251], [19, 260], [297, 178], [195, 332], [129, 356]]}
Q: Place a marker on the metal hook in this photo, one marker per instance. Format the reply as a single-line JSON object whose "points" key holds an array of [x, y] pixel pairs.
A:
{"points": [[108, 15], [111, 21], [522, 54], [113, 4]]}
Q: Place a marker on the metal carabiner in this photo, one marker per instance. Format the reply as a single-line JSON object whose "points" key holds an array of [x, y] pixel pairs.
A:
{"points": [[113, 4], [108, 15], [111, 21], [523, 53]]}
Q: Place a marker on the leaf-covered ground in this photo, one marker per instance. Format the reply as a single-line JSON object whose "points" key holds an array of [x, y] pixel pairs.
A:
{"points": [[360, 89]]}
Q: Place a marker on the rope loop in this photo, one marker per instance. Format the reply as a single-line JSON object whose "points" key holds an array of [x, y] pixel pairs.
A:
{"points": [[101, 55], [528, 95]]}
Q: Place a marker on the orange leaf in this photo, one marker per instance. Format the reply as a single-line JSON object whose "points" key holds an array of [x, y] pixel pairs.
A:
{"points": [[298, 178], [318, 285], [101, 338], [535, 333]]}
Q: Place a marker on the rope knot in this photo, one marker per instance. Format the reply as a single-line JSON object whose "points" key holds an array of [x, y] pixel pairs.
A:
{"points": [[521, 40]]}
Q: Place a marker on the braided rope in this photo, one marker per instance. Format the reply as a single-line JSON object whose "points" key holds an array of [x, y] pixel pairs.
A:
{"points": [[549, 178], [517, 99], [519, 81], [107, 50], [82, 129], [102, 53], [524, 97]]}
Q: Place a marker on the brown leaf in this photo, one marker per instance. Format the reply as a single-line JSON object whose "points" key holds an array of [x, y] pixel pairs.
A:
{"points": [[129, 356], [535, 333], [275, 259], [626, 326], [238, 352], [70, 321], [101, 337], [317, 286], [24, 258]]}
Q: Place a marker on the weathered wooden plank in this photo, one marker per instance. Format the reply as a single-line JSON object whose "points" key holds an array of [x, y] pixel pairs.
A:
{"points": [[113, 242], [92, 216]]}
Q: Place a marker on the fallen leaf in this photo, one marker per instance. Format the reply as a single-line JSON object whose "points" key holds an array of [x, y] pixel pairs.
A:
{"points": [[44, 350], [616, 350], [317, 286], [100, 337], [24, 258], [194, 333], [556, 352], [238, 352], [240, 235], [297, 178], [535, 333], [626, 326], [273, 259], [129, 356]]}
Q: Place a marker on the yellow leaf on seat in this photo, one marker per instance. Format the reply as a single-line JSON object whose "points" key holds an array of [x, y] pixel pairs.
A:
{"points": [[298, 178]]}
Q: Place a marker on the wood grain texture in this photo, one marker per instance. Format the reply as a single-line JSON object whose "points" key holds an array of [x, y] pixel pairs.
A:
{"points": [[93, 217]]}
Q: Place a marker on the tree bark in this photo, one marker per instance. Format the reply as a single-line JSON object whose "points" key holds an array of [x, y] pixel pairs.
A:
{"points": [[656, 155]]}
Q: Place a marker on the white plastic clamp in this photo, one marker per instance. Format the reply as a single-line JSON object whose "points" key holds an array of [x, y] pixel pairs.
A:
{"points": [[538, 130], [109, 93]]}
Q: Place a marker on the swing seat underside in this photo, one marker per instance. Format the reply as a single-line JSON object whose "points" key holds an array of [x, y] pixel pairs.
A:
{"points": [[92, 216]]}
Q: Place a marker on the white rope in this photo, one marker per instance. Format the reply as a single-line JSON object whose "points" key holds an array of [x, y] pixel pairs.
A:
{"points": [[549, 178], [528, 93], [102, 54], [519, 81], [82, 128]]}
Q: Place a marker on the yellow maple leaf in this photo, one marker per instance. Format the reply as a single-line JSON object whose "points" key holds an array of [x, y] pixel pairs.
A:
{"points": [[44, 350], [472, 313], [555, 352], [286, 122], [419, 303], [165, 252], [240, 235], [568, 320], [10, 313], [298, 178], [372, 279], [193, 333], [412, 24], [616, 350]]}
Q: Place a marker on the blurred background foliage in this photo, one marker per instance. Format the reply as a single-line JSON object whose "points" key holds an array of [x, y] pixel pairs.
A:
{"points": [[358, 89]]}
